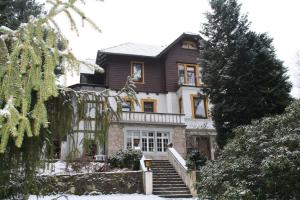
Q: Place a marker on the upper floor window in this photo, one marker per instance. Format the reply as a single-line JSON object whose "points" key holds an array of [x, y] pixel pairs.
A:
{"points": [[199, 106], [190, 74], [149, 105], [137, 72], [189, 45], [128, 105]]}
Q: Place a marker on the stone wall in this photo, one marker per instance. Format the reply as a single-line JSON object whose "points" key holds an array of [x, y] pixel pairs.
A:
{"points": [[115, 139], [179, 140], [93, 183]]}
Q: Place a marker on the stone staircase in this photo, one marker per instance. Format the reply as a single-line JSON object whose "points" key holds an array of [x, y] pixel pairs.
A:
{"points": [[166, 182]]}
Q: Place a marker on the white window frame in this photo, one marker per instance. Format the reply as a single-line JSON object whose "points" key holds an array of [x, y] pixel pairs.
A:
{"points": [[155, 131]]}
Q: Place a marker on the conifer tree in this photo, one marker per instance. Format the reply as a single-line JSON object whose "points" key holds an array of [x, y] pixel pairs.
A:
{"points": [[29, 56], [245, 79], [15, 12]]}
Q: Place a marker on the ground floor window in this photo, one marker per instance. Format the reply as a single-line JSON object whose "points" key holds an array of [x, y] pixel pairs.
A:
{"points": [[148, 141]]}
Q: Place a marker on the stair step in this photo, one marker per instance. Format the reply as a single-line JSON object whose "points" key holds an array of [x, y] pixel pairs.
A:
{"points": [[167, 179], [160, 185], [172, 192], [170, 188], [177, 196]]}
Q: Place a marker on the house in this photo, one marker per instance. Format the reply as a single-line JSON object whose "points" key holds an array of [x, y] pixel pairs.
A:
{"points": [[172, 108]]}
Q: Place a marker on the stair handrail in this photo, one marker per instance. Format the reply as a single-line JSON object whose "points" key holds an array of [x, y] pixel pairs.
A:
{"points": [[147, 177], [188, 177]]}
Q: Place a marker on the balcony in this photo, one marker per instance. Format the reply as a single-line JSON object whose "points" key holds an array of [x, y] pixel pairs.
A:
{"points": [[205, 124], [152, 118]]}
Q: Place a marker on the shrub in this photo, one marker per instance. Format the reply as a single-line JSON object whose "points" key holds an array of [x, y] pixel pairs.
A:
{"points": [[261, 162], [195, 160], [126, 159]]}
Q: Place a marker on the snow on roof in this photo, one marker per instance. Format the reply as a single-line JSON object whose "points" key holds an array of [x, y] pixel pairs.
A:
{"points": [[135, 49], [190, 33]]}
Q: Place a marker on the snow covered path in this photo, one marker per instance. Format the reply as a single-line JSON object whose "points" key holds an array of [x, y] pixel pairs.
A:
{"points": [[106, 197]]}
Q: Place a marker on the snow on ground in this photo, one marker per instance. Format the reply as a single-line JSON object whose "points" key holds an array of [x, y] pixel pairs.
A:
{"points": [[106, 197], [61, 168]]}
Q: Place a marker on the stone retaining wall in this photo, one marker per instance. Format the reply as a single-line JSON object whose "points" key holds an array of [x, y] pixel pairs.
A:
{"points": [[102, 182]]}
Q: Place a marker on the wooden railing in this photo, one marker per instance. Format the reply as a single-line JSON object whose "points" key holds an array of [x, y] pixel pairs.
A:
{"points": [[155, 118]]}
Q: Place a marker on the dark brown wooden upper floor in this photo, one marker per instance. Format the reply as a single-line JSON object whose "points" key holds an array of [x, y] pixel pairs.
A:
{"points": [[155, 70]]}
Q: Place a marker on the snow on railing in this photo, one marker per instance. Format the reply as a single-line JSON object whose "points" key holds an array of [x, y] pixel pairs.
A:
{"points": [[188, 177], [178, 157]]}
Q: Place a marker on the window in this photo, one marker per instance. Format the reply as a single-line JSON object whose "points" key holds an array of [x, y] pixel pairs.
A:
{"points": [[149, 105], [190, 74], [180, 106], [56, 149], [199, 106], [128, 105], [200, 75], [90, 147], [147, 141], [189, 45], [162, 141], [137, 72], [181, 73], [96, 78], [150, 141], [131, 136]]}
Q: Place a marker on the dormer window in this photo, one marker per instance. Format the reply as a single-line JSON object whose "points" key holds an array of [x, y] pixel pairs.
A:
{"points": [[137, 72], [189, 45]]}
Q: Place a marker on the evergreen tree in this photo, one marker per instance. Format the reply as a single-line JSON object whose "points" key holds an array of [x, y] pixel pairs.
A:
{"points": [[245, 79], [29, 56], [261, 162], [15, 12]]}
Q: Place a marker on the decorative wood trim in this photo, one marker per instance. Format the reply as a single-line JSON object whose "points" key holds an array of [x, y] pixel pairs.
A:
{"points": [[192, 96], [149, 100], [143, 71]]}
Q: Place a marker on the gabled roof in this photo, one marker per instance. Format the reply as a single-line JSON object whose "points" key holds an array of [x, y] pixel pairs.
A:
{"points": [[183, 35], [145, 49], [135, 49]]}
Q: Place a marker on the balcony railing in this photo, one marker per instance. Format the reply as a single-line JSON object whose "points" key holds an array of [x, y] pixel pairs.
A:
{"points": [[153, 118]]}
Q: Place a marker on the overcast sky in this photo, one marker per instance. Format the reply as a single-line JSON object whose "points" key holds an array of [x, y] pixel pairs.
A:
{"points": [[159, 22]]}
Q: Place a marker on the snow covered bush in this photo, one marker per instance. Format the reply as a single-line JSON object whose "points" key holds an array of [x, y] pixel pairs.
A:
{"points": [[195, 160], [261, 162], [126, 159]]}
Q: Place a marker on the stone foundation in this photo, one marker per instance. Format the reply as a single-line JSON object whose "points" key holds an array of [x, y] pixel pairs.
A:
{"points": [[97, 183]]}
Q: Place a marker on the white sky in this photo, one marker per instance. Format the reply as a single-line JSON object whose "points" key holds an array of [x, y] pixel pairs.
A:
{"points": [[159, 22]]}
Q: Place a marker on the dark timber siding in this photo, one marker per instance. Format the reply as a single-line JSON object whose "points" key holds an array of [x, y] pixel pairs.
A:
{"points": [[118, 69], [177, 55]]}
